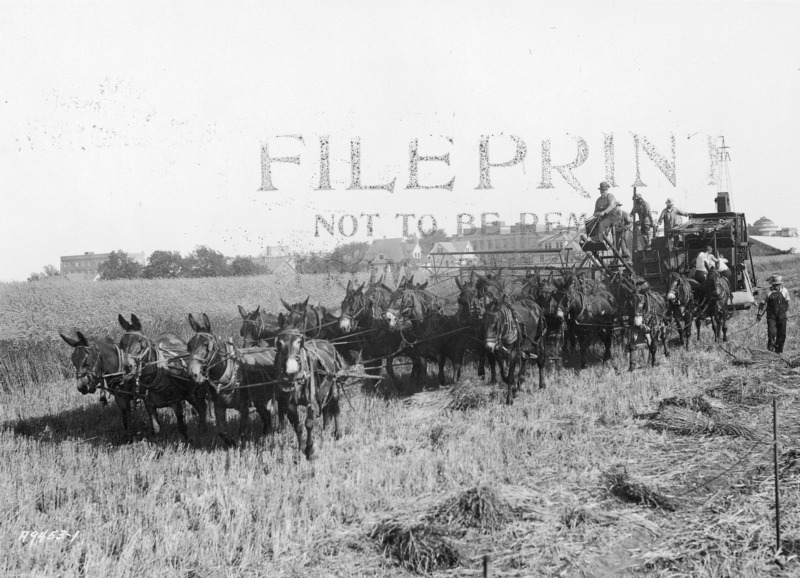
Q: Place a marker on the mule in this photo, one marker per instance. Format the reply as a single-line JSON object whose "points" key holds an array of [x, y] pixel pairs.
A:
{"points": [[100, 363], [515, 332], [160, 375], [647, 314], [308, 371], [588, 316], [681, 305], [238, 378], [314, 320], [257, 327], [364, 329], [718, 299]]}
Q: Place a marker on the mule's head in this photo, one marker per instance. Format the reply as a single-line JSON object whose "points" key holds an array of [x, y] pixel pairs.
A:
{"points": [[202, 348], [636, 309], [84, 359], [297, 313], [251, 326], [353, 306], [491, 322], [404, 308], [289, 345], [134, 344], [470, 304]]}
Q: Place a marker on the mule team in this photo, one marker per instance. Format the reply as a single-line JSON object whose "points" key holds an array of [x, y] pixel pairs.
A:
{"points": [[304, 356]]}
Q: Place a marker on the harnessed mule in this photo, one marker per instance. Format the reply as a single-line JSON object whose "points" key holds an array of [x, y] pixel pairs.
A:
{"points": [[361, 323], [159, 373], [471, 309], [258, 326], [514, 333], [237, 378], [588, 315], [308, 374], [646, 312], [406, 315], [543, 294], [316, 322], [681, 304], [99, 362], [718, 298]]}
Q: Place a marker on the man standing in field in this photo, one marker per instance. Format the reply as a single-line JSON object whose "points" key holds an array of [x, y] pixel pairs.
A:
{"points": [[776, 305], [641, 208]]}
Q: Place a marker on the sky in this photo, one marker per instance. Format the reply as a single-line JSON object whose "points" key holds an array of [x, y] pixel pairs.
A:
{"points": [[140, 126]]}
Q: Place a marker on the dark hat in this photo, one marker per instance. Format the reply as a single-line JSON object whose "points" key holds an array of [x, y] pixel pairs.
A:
{"points": [[604, 186]]}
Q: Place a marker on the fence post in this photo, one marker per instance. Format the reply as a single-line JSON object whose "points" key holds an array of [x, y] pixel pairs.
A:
{"points": [[777, 486], [486, 566]]}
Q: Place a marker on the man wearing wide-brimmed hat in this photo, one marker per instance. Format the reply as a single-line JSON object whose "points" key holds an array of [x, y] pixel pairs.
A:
{"points": [[605, 210], [776, 305], [671, 216], [641, 208]]}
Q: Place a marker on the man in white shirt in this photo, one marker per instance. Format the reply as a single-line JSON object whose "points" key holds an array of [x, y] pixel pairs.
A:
{"points": [[703, 262]]}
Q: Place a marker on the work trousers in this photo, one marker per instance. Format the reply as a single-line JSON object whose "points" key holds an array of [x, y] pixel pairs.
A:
{"points": [[776, 333]]}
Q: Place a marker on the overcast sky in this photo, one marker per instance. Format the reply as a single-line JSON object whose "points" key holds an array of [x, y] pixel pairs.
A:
{"points": [[139, 126]]}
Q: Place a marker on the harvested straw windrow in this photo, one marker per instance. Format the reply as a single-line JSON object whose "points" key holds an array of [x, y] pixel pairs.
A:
{"points": [[418, 546], [622, 486], [462, 397], [699, 403], [477, 507], [685, 421]]}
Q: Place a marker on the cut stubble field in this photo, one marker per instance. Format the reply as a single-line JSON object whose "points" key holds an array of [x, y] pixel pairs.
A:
{"points": [[663, 471]]}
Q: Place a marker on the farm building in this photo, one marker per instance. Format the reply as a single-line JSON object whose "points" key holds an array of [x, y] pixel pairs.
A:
{"points": [[393, 251], [85, 267], [454, 253]]}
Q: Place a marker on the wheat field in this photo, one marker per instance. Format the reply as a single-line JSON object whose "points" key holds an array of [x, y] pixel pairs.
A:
{"points": [[663, 471]]}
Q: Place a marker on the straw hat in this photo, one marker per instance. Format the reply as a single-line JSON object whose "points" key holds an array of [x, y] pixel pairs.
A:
{"points": [[776, 279]]}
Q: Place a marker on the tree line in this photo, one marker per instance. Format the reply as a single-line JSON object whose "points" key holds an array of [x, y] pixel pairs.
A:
{"points": [[207, 262]]}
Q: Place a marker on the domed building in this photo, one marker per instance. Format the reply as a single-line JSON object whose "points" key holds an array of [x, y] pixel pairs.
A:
{"points": [[766, 227]]}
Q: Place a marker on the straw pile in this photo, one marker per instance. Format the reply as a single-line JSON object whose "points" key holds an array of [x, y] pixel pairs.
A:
{"points": [[620, 484], [462, 397], [476, 507], [416, 545], [681, 420]]}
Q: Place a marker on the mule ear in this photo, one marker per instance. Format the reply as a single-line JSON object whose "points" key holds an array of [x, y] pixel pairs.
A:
{"points": [[81, 339], [420, 287], [258, 310], [305, 303], [136, 324], [193, 324], [242, 312], [71, 342], [360, 289], [281, 320], [402, 282], [123, 323], [458, 284], [349, 288], [379, 281], [206, 323], [286, 305]]}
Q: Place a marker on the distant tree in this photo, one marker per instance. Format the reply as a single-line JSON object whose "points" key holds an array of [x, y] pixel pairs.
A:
{"points": [[349, 258], [206, 262], [244, 267], [48, 271], [312, 262], [164, 265], [119, 266], [427, 242]]}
